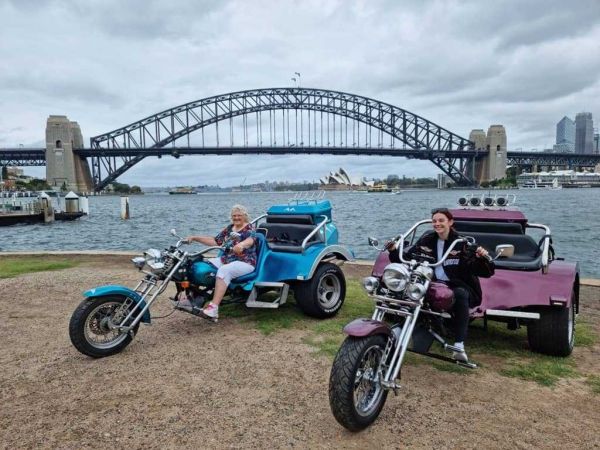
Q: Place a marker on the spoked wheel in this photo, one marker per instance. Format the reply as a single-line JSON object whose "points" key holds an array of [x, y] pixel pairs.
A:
{"points": [[91, 328], [323, 295], [356, 395]]}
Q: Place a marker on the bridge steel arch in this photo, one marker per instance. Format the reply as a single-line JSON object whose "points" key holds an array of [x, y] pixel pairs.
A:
{"points": [[166, 127]]}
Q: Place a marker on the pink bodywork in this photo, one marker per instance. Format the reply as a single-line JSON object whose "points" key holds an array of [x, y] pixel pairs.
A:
{"points": [[510, 289]]}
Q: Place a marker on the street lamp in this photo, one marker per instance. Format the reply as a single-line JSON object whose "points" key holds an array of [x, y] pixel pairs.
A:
{"points": [[298, 73]]}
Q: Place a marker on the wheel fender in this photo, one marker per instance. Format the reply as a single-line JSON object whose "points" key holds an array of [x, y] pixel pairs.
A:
{"points": [[367, 327], [113, 289], [339, 251]]}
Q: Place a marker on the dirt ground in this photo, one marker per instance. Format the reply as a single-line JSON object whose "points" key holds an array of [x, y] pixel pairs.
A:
{"points": [[186, 383]]}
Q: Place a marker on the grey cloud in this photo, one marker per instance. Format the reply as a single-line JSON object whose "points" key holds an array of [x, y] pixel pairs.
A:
{"points": [[146, 19], [78, 89], [515, 23]]}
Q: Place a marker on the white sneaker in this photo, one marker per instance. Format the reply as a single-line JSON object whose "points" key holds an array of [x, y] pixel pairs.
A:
{"points": [[211, 311], [460, 354]]}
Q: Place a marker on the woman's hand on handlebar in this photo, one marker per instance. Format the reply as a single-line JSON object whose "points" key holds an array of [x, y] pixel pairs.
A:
{"points": [[390, 245], [482, 253]]}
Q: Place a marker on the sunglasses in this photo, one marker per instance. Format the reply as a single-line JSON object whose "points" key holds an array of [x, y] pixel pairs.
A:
{"points": [[439, 210]]}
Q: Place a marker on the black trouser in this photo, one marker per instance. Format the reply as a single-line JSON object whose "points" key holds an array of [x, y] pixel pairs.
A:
{"points": [[461, 313]]}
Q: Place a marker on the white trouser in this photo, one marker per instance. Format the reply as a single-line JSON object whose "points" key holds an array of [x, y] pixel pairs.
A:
{"points": [[231, 270]]}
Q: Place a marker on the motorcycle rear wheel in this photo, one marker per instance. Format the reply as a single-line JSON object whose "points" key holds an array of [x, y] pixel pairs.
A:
{"points": [[356, 396], [89, 328]]}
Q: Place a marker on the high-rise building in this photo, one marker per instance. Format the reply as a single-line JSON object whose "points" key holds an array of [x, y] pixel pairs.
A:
{"points": [[565, 135], [584, 133], [597, 142]]}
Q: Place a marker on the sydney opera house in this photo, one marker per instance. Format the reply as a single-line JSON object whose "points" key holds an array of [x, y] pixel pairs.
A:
{"points": [[342, 181]]}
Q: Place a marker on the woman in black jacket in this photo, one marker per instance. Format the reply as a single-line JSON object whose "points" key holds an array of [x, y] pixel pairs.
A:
{"points": [[459, 271]]}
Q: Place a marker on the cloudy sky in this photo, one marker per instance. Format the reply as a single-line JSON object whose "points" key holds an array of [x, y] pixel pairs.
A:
{"points": [[461, 64]]}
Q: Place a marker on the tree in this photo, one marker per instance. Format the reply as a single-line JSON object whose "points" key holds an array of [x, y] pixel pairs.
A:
{"points": [[392, 180]]}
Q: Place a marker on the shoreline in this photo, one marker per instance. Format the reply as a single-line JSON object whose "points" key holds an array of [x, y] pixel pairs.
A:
{"points": [[357, 263]]}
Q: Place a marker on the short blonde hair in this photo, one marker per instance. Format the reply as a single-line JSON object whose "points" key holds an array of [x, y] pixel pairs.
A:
{"points": [[242, 210]]}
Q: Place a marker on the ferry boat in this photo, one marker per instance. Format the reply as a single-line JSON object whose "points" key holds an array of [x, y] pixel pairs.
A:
{"points": [[183, 191], [379, 188], [557, 179]]}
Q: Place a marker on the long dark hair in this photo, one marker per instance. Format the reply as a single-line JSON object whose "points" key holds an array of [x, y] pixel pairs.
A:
{"points": [[446, 212]]}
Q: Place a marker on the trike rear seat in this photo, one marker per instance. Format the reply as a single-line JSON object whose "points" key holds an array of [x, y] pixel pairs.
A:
{"points": [[285, 233], [527, 254]]}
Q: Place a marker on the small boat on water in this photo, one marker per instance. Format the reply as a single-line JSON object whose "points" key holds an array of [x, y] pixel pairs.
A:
{"points": [[183, 190], [555, 185]]}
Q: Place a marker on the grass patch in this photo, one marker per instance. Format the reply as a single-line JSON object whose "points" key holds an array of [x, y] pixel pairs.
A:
{"points": [[268, 321], [584, 335], [12, 267], [594, 382], [544, 370], [509, 348]]}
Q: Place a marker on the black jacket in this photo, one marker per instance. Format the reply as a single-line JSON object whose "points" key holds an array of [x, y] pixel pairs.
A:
{"points": [[461, 266]]}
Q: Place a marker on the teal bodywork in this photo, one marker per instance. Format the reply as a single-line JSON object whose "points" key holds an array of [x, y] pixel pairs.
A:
{"points": [[203, 273], [314, 209], [113, 289], [280, 266]]}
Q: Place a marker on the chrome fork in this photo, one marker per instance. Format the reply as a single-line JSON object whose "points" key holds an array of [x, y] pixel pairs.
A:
{"points": [[396, 346], [152, 290]]}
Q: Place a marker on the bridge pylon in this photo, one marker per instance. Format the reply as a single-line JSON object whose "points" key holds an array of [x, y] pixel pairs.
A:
{"points": [[64, 169], [493, 165]]}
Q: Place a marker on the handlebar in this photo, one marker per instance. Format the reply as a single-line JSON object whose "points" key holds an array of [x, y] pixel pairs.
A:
{"points": [[444, 256]]}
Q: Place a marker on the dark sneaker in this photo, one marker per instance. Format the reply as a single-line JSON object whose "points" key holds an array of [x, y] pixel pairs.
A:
{"points": [[184, 303]]}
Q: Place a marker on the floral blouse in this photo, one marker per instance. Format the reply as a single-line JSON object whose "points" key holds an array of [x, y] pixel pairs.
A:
{"points": [[227, 238]]}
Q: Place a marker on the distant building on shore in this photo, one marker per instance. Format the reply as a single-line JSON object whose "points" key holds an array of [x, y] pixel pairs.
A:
{"points": [[342, 181], [584, 133], [565, 136]]}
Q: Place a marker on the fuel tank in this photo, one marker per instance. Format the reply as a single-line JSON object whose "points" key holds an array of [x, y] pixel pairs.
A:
{"points": [[203, 273]]}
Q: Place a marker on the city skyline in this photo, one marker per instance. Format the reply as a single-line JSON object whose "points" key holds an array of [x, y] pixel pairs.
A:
{"points": [[437, 59]]}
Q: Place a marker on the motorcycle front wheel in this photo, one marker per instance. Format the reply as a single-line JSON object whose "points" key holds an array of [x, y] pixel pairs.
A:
{"points": [[356, 396], [91, 327]]}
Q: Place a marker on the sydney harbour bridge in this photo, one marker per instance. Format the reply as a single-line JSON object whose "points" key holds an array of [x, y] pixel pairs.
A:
{"points": [[270, 121]]}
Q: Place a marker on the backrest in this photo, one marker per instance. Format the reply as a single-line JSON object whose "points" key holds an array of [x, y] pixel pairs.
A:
{"points": [[467, 226], [261, 242], [301, 219], [525, 246]]}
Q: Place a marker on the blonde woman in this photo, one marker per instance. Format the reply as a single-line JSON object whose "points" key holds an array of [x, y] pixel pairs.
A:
{"points": [[238, 258]]}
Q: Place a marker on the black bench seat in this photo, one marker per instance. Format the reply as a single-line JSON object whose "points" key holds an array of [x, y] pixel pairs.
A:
{"points": [[288, 237], [527, 256]]}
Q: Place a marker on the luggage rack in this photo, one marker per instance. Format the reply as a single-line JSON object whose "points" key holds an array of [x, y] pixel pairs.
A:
{"points": [[487, 201], [306, 197]]}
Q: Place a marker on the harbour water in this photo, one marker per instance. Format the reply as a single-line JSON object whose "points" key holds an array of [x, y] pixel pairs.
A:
{"points": [[571, 215]]}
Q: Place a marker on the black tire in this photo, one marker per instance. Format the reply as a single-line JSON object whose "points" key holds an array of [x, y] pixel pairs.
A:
{"points": [[89, 331], [554, 333], [323, 295], [353, 410]]}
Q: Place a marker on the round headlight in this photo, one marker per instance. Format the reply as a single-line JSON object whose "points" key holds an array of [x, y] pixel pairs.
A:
{"points": [[154, 259], [416, 291], [425, 271], [370, 284], [395, 277]]}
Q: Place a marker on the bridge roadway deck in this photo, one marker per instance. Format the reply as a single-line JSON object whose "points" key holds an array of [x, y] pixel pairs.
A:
{"points": [[37, 156]]}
